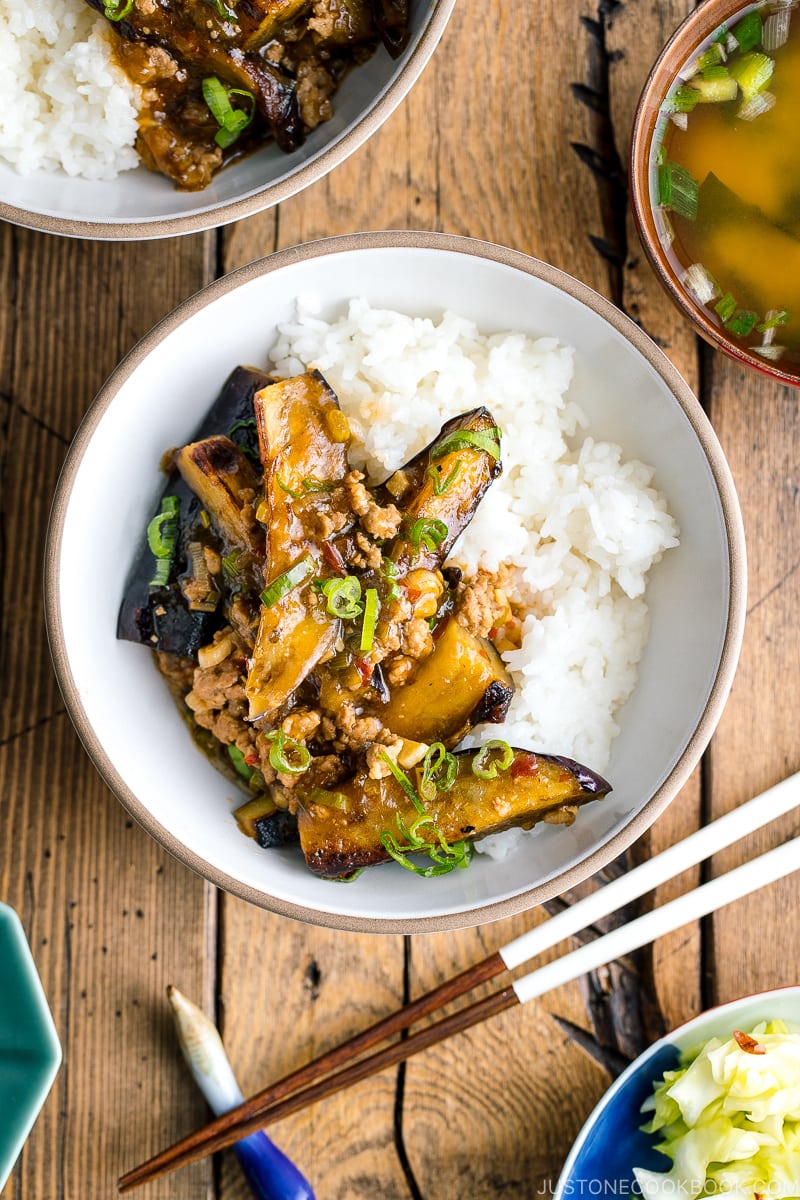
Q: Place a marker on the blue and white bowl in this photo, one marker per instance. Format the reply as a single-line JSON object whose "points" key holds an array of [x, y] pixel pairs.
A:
{"points": [[612, 1143]]}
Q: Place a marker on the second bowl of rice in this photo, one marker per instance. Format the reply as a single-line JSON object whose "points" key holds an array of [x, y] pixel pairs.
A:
{"points": [[614, 531]]}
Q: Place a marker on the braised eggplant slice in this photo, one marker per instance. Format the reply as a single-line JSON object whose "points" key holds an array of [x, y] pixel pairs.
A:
{"points": [[341, 831], [445, 483], [303, 437], [463, 683], [160, 617], [222, 477]]}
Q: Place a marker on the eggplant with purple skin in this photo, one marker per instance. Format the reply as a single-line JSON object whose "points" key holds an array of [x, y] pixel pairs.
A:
{"points": [[160, 616], [303, 438], [354, 826]]}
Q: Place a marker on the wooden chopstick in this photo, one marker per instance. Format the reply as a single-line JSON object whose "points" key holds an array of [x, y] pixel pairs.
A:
{"points": [[286, 1096]]}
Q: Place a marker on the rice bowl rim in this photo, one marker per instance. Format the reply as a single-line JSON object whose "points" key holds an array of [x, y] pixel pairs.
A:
{"points": [[608, 850], [226, 211]]}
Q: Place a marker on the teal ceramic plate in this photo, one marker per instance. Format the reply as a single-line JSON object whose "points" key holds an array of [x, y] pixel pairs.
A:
{"points": [[29, 1048]]}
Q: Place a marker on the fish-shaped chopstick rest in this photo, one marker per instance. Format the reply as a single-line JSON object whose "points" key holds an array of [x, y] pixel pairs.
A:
{"points": [[270, 1174]]}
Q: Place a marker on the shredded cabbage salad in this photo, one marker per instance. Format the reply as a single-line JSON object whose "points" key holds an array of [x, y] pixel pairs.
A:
{"points": [[729, 1118]]}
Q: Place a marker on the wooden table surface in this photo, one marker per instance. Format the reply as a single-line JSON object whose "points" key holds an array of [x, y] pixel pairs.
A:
{"points": [[517, 133]]}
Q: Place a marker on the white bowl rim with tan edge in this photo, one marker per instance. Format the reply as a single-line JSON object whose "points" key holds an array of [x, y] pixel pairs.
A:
{"points": [[421, 273], [168, 212]]}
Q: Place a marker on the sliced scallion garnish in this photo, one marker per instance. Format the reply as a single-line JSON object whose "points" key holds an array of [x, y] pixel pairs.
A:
{"points": [[404, 781], [678, 190], [752, 72], [487, 440], [290, 579], [117, 10], [286, 755], [222, 10], [725, 307], [285, 488], [440, 486], [343, 597], [429, 532], [239, 764], [439, 770], [161, 534], [371, 609], [775, 317], [682, 100], [391, 571], [485, 765], [747, 32], [312, 484], [742, 322], [232, 121]]}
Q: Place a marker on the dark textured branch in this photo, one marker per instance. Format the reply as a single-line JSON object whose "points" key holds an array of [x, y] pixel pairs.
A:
{"points": [[601, 156]]}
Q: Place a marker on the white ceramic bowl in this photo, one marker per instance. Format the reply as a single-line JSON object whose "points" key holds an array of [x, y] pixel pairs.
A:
{"points": [[611, 1142], [139, 204], [156, 398]]}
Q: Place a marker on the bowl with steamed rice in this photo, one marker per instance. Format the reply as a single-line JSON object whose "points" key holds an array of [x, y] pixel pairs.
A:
{"points": [[76, 114], [613, 534]]}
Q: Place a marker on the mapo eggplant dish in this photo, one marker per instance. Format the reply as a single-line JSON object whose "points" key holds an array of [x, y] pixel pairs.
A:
{"points": [[321, 647], [219, 78]]}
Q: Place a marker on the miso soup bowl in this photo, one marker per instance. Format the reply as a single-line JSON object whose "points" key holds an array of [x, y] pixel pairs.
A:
{"points": [[140, 204], [156, 398], [697, 30]]}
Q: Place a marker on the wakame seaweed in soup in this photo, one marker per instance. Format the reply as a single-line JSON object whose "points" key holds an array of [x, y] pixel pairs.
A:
{"points": [[725, 180]]}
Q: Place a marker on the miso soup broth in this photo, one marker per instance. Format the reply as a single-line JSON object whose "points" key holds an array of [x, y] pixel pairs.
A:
{"points": [[725, 181]]}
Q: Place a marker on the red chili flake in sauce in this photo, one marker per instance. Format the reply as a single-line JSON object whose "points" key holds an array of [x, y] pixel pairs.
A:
{"points": [[364, 668], [747, 1043], [252, 760], [333, 558], [524, 766]]}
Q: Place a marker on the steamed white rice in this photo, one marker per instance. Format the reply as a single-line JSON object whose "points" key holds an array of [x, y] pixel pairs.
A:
{"points": [[579, 525], [63, 101]]}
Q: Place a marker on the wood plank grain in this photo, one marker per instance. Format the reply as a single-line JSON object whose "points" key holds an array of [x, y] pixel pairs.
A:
{"points": [[111, 918], [756, 744]]}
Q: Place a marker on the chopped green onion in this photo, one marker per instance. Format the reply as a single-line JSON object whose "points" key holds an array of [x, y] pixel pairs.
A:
{"points": [[343, 597], [312, 484], [230, 568], [371, 609], [391, 571], [232, 121], [775, 317], [748, 31], [711, 57], [716, 72], [116, 10], [742, 322], [481, 439], [222, 10], [677, 190], [205, 519], [460, 854], [726, 307], [404, 781], [429, 532], [290, 579], [701, 283], [683, 99], [486, 767], [752, 72], [285, 487], [715, 89], [250, 424], [161, 534], [441, 486], [283, 746], [239, 764], [439, 770]]}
